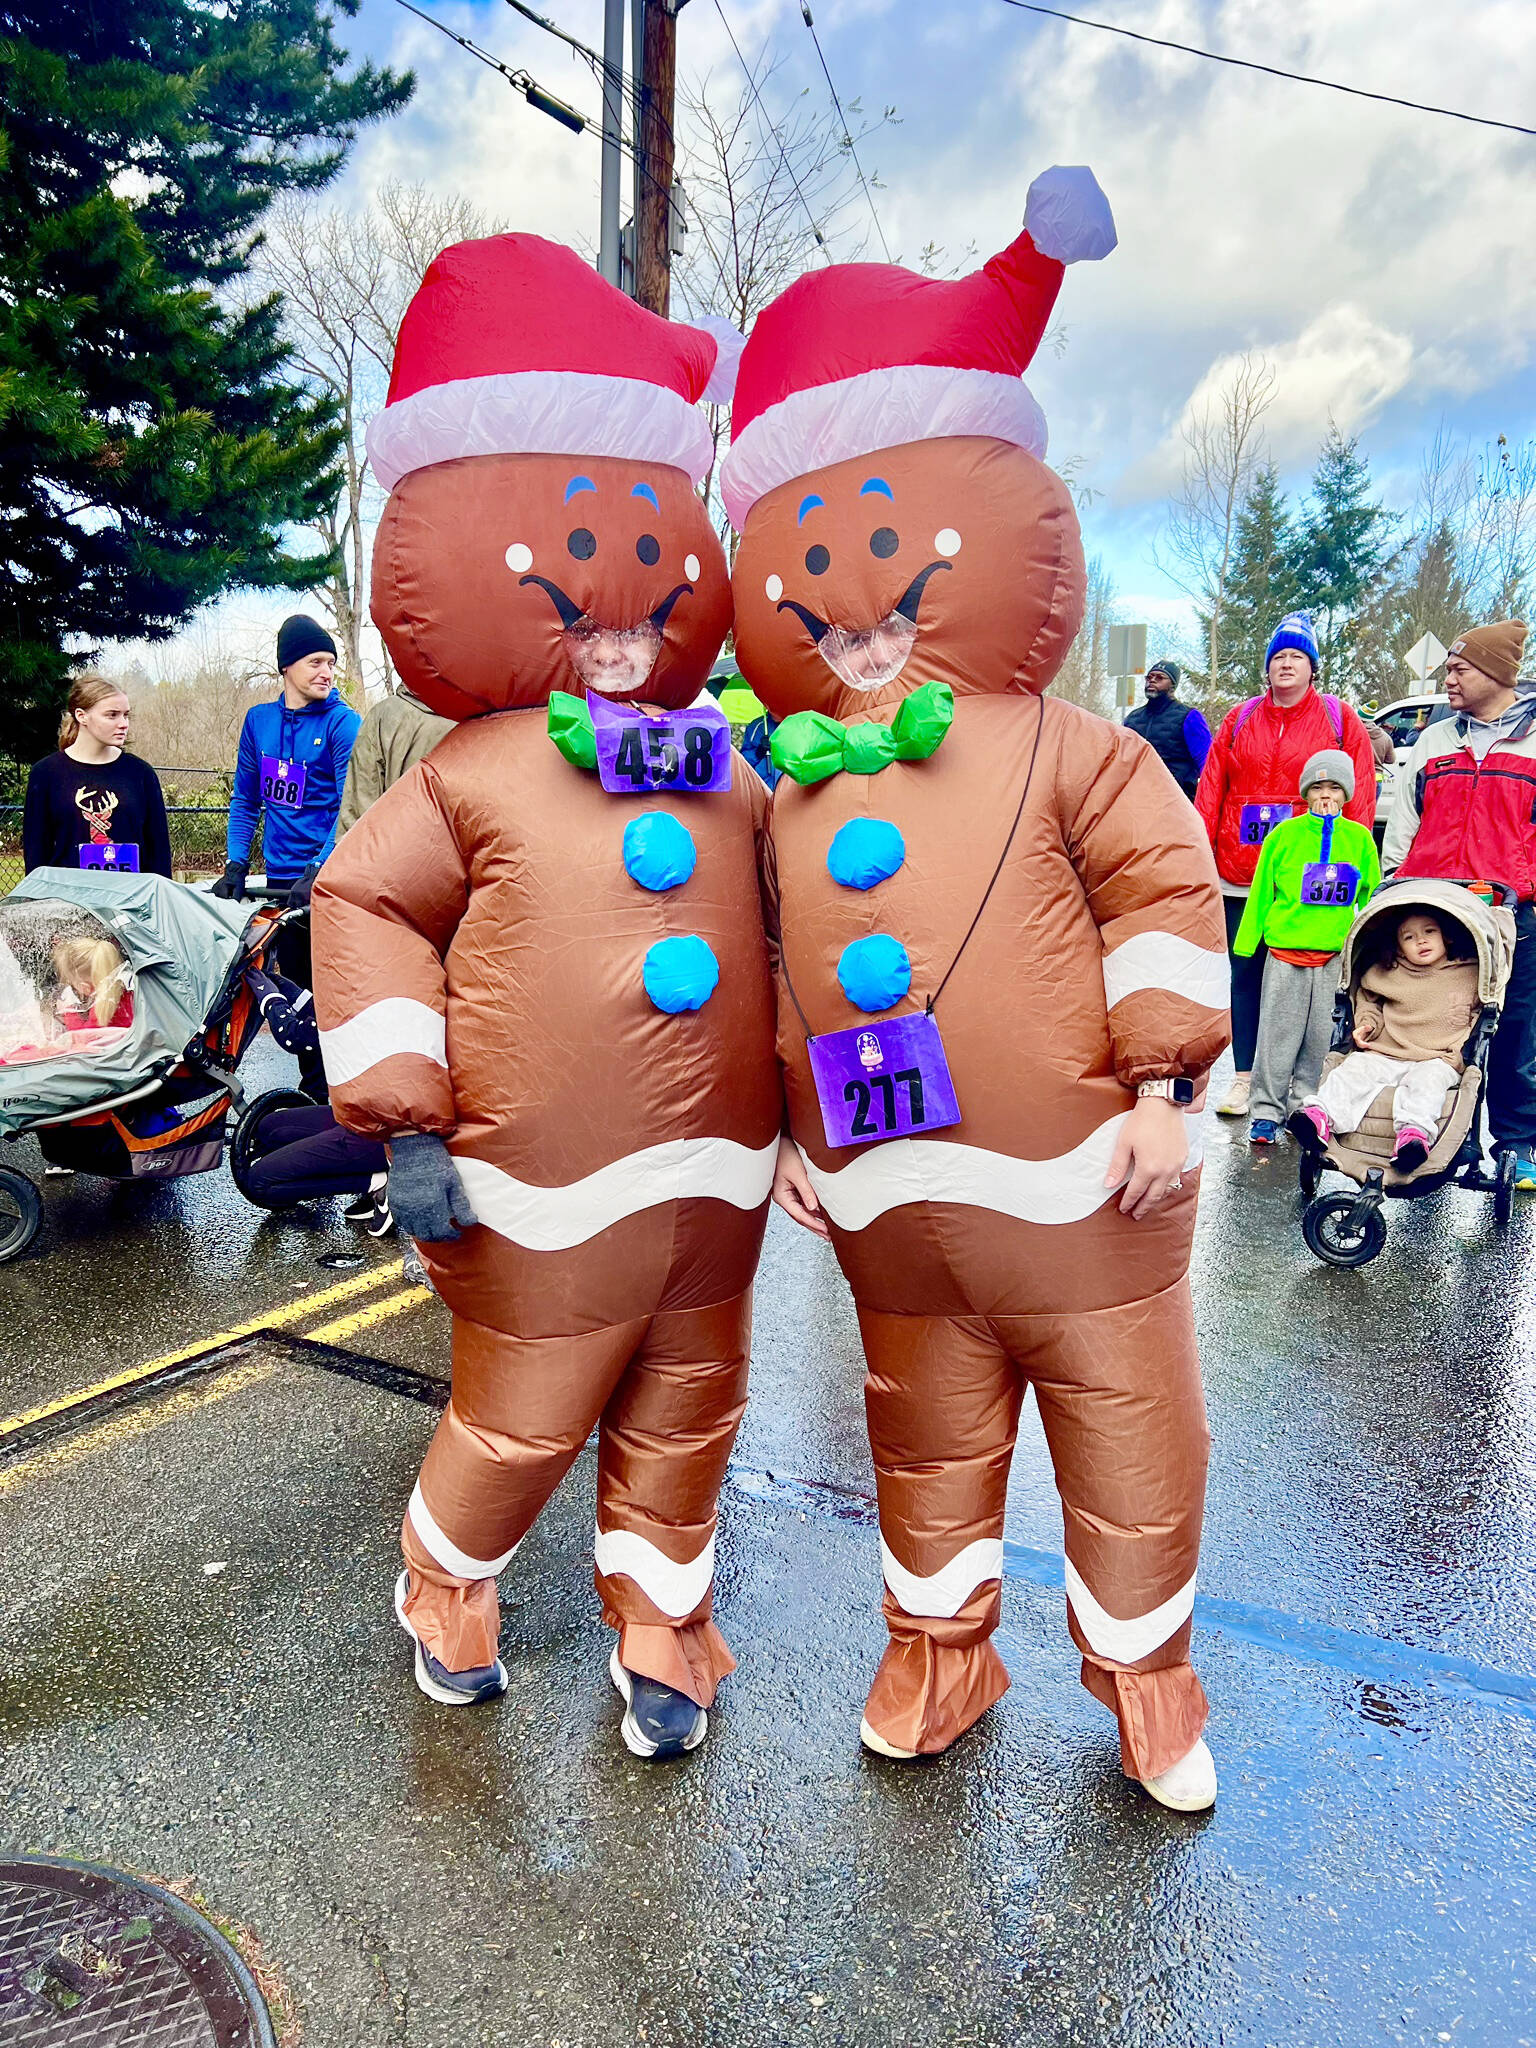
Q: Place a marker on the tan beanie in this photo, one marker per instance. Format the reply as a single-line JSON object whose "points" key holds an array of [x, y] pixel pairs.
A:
{"points": [[1495, 649]]}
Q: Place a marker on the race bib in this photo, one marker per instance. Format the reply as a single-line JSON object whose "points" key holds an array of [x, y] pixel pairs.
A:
{"points": [[1331, 885], [879, 1081], [1255, 822], [115, 855], [282, 783], [686, 752]]}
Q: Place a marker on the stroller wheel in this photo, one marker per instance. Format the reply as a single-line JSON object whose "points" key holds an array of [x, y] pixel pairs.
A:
{"points": [[21, 1213], [1329, 1233], [1504, 1186], [1310, 1173], [245, 1146]]}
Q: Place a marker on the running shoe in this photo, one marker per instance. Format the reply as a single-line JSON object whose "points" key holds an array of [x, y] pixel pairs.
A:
{"points": [[1189, 1786], [1235, 1101], [1263, 1131], [1310, 1127], [1412, 1149], [448, 1688], [658, 1722], [1525, 1169]]}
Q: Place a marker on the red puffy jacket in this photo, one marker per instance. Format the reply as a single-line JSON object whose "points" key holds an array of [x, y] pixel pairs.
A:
{"points": [[1250, 782]]}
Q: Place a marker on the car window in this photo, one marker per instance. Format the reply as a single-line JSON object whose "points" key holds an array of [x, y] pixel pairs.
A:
{"points": [[1405, 725], [1437, 712]]}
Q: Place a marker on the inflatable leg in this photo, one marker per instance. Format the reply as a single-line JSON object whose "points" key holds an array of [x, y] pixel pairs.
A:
{"points": [[942, 1399], [521, 1410], [1119, 1394], [667, 1432]]}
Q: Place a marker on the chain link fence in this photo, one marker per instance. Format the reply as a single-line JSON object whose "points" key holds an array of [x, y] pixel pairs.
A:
{"points": [[197, 812]]}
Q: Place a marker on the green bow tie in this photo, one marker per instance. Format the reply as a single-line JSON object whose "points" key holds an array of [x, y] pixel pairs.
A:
{"points": [[571, 729], [809, 746]]}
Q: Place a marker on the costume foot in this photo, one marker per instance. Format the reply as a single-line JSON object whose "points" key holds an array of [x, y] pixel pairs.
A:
{"points": [[1189, 1786], [448, 1688], [1263, 1131], [1310, 1128], [658, 1722], [881, 1747], [1411, 1150], [1235, 1101]]}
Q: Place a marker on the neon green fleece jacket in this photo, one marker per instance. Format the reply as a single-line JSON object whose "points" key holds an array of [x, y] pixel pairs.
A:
{"points": [[1295, 899]]}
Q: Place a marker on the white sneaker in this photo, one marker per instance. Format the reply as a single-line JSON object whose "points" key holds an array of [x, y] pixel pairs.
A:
{"points": [[881, 1747], [1189, 1786], [1235, 1101]]}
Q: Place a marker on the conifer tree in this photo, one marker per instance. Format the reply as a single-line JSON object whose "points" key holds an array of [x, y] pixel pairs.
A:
{"points": [[1344, 540], [155, 445], [1264, 582]]}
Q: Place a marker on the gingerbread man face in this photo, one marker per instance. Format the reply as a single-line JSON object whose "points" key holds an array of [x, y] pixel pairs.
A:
{"points": [[499, 578], [956, 561]]}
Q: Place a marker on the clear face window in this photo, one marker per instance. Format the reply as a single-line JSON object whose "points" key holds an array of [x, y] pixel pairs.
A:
{"points": [[66, 987]]}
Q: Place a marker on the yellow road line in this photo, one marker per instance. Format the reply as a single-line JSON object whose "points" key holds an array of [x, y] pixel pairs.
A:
{"points": [[295, 1311], [375, 1312], [118, 1429]]}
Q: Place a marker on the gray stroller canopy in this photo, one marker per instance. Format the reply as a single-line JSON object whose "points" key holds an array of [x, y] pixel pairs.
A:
{"points": [[1490, 927]]}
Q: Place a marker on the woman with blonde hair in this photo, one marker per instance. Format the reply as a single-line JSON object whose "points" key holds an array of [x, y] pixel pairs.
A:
{"points": [[91, 805]]}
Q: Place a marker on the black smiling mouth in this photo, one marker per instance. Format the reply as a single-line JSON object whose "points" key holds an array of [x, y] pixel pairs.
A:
{"points": [[905, 606], [571, 613]]}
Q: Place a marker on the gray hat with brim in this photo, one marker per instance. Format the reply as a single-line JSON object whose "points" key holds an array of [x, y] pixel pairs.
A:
{"points": [[1330, 766]]}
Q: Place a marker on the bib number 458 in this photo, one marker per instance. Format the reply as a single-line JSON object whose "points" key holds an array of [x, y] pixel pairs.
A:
{"points": [[657, 763]]}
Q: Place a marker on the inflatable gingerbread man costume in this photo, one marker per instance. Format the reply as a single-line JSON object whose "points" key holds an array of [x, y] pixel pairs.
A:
{"points": [[999, 920], [543, 950]]}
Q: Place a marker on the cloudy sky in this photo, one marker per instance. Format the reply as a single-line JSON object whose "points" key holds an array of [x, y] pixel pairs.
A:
{"points": [[1382, 259]]}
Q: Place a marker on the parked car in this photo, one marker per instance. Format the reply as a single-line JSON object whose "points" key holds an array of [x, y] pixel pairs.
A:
{"points": [[1403, 721]]}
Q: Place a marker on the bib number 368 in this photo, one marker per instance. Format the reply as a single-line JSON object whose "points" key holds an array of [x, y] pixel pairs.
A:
{"points": [[686, 752]]}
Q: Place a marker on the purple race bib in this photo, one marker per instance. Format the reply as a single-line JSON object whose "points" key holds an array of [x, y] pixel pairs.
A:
{"points": [[282, 783], [1255, 822], [1330, 885], [887, 1080], [120, 856], [686, 752]]}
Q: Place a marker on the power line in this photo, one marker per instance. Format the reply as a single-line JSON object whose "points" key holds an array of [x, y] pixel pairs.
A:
{"points": [[847, 130], [1270, 70], [773, 130]]}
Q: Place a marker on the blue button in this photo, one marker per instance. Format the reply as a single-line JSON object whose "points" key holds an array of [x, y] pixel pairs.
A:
{"points": [[681, 974], [659, 852], [864, 852], [875, 972]]}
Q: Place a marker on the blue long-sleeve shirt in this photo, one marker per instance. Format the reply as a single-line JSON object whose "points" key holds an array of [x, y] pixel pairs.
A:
{"points": [[318, 739]]}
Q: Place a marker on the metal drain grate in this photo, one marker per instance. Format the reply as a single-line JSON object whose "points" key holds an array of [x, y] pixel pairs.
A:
{"points": [[90, 1958]]}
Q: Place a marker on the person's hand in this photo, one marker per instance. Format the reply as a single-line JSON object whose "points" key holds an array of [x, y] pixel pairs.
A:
{"points": [[426, 1196], [1363, 1033], [792, 1188], [230, 886], [1151, 1150], [298, 895]]}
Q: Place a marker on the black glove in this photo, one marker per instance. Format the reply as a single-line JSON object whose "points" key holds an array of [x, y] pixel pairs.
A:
{"points": [[426, 1196], [298, 895], [288, 1012], [231, 884]]}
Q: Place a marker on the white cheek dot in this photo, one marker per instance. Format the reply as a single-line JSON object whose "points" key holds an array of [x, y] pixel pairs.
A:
{"points": [[947, 541], [691, 568], [519, 558], [775, 588]]}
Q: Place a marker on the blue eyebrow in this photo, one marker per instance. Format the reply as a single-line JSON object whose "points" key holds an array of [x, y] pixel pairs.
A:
{"points": [[645, 491], [877, 483], [578, 483], [808, 505]]}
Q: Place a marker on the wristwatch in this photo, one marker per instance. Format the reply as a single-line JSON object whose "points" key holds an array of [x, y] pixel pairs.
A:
{"points": [[1179, 1090]]}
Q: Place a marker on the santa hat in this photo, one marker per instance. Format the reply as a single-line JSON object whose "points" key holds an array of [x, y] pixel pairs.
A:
{"points": [[514, 346], [868, 355]]}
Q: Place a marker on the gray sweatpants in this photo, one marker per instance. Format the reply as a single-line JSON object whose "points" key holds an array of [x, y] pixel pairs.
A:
{"points": [[1295, 1024]]}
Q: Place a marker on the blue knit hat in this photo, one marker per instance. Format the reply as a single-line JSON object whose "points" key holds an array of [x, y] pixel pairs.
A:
{"points": [[1294, 630]]}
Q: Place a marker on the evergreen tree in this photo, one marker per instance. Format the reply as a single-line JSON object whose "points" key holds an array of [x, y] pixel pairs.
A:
{"points": [[1263, 583], [1343, 544], [154, 443]]}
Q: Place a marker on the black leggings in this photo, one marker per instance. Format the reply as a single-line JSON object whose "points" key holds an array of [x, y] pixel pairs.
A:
{"points": [[1247, 987], [306, 1155]]}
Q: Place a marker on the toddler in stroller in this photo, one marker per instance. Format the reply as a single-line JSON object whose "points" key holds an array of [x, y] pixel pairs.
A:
{"points": [[1399, 1107]]}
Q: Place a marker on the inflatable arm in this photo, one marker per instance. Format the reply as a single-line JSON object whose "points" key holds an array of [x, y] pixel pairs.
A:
{"points": [[1147, 873], [385, 908]]}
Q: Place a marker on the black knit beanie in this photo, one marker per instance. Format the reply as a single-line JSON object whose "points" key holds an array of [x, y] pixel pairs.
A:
{"points": [[300, 635]]}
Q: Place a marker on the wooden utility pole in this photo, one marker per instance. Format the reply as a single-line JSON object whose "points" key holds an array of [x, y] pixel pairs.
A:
{"points": [[653, 216]]}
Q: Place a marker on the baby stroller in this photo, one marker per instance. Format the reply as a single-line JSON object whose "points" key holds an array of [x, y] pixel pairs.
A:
{"points": [[124, 1012], [1346, 1229]]}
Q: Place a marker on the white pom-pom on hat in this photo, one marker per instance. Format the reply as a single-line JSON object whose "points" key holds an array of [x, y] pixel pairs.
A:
{"points": [[729, 343], [1067, 215]]}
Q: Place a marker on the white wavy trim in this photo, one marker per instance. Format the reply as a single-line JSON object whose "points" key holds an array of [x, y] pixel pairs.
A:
{"points": [[904, 1170], [397, 1024], [446, 1552], [1173, 966], [555, 1219], [941, 1594], [675, 1588], [1127, 1642], [539, 412], [884, 408]]}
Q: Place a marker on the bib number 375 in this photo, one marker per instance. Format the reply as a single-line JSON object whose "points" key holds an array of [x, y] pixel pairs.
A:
{"points": [[686, 752]]}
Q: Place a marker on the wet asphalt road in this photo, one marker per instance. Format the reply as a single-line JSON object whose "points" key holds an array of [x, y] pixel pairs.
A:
{"points": [[1367, 1634]]}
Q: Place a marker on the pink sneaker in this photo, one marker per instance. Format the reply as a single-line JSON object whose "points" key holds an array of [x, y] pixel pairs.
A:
{"points": [[1310, 1126], [1411, 1149]]}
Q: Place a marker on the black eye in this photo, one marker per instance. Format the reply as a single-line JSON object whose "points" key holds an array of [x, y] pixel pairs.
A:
{"points": [[817, 560], [648, 548], [582, 543], [883, 541]]}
